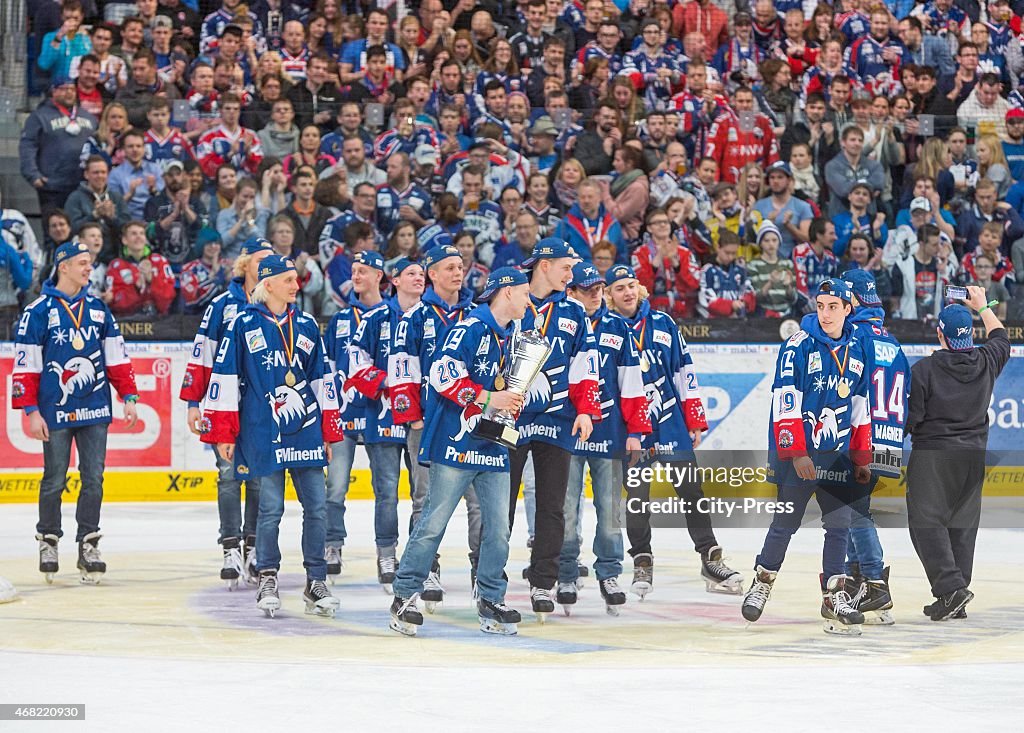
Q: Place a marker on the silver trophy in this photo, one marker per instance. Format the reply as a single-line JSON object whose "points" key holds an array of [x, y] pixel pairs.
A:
{"points": [[527, 352]]}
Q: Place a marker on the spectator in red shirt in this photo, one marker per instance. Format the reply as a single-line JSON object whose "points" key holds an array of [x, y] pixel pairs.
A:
{"points": [[140, 280]]}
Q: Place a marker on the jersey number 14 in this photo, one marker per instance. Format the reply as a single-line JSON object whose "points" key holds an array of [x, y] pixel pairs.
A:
{"points": [[888, 402]]}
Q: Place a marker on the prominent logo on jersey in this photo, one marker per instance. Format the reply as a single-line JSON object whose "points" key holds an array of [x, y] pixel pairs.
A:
{"points": [[611, 340], [76, 378], [342, 329], [662, 337], [825, 432], [97, 316], [567, 325], [255, 340], [290, 411], [814, 363], [539, 392], [857, 366], [304, 343], [785, 439], [467, 423], [654, 404], [484, 347], [885, 354], [53, 319], [385, 331], [429, 330]]}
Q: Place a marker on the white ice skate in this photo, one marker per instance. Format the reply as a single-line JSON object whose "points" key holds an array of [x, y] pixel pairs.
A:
{"points": [[719, 577], [643, 575], [233, 569], [841, 618], [48, 564], [90, 564], [319, 601]]}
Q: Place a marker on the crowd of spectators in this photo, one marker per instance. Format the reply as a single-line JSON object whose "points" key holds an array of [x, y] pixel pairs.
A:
{"points": [[737, 155]]}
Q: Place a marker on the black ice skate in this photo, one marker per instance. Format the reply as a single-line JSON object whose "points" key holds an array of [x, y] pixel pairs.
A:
{"points": [[233, 568], [840, 616], [565, 596], [319, 600], [267, 598], [497, 618], [719, 577], [48, 565], [876, 601], [542, 602], [949, 605], [759, 593], [643, 575], [582, 571], [332, 556], [89, 561], [387, 565], [433, 591], [612, 594], [249, 560], [405, 617]]}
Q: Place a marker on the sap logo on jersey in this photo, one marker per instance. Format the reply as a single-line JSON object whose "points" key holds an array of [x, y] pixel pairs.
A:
{"points": [[885, 354]]}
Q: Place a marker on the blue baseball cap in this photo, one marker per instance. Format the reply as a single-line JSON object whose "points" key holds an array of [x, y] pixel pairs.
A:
{"points": [[401, 265], [619, 272], [254, 244], [585, 275], [68, 250], [958, 327], [863, 285], [275, 265], [836, 288], [437, 254], [780, 166], [503, 277], [551, 248], [370, 258]]}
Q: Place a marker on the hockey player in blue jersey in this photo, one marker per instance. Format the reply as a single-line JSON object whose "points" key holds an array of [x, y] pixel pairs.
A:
{"points": [[819, 442], [678, 422], [624, 420], [271, 407], [889, 388], [367, 273], [457, 397], [561, 405], [239, 554], [368, 355], [414, 350], [68, 352]]}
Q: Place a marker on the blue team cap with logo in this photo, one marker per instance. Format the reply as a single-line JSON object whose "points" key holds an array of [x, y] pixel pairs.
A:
{"points": [[551, 248], [836, 288], [958, 327], [619, 272], [68, 250], [435, 255], [255, 244], [370, 259], [503, 277], [401, 265], [275, 265], [863, 285], [585, 275]]}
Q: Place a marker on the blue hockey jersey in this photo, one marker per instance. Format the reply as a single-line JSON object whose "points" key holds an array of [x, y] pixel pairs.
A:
{"points": [[623, 400], [368, 370], [889, 389], [812, 414], [285, 426], [670, 384], [414, 349], [67, 353], [216, 318], [455, 383], [337, 338], [567, 385], [390, 201]]}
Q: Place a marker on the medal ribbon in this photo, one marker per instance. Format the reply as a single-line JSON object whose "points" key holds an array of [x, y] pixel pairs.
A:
{"points": [[548, 310], [71, 113], [593, 236], [846, 358], [81, 312], [289, 343], [639, 343], [444, 319]]}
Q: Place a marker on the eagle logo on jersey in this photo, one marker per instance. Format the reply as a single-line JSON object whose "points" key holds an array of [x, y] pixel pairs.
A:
{"points": [[467, 423], [75, 378], [290, 412], [539, 392], [825, 433], [654, 406]]}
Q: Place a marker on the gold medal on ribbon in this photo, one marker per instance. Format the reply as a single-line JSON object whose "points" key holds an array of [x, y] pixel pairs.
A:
{"points": [[843, 390], [645, 366], [289, 378], [289, 347], [499, 383], [78, 343]]}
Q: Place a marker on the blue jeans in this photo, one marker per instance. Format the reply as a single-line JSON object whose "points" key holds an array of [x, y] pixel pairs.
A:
{"points": [[606, 478], [530, 495], [385, 468], [863, 546], [835, 516], [339, 478], [309, 486], [447, 487], [229, 501], [91, 442]]}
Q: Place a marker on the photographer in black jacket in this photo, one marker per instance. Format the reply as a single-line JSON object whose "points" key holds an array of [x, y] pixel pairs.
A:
{"points": [[949, 398]]}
